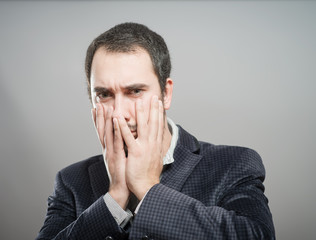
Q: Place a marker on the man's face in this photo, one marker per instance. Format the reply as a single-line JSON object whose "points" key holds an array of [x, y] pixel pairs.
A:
{"points": [[119, 79]]}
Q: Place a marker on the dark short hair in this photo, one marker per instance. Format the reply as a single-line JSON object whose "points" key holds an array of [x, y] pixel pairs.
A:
{"points": [[127, 37]]}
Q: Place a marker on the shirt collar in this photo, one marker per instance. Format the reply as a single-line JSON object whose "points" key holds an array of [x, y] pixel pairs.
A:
{"points": [[168, 158]]}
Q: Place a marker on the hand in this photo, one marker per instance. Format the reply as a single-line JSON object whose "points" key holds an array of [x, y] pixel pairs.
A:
{"points": [[113, 153], [144, 162]]}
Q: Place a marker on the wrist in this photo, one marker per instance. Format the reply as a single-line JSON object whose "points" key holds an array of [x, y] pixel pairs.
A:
{"points": [[120, 196], [141, 191]]}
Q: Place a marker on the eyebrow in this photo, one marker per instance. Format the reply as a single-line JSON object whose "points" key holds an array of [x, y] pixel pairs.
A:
{"points": [[100, 89], [136, 86], [128, 88]]}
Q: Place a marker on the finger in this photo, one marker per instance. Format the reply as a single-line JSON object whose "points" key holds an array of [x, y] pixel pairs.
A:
{"points": [[118, 140], [153, 118], [100, 123], [140, 118], [161, 123], [126, 133], [109, 129]]}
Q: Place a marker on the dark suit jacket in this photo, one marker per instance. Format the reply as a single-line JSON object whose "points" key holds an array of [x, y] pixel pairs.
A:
{"points": [[209, 192]]}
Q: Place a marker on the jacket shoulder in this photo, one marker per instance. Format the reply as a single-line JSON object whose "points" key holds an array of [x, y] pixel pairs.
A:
{"points": [[79, 170], [225, 151], [219, 154], [83, 164], [234, 155]]}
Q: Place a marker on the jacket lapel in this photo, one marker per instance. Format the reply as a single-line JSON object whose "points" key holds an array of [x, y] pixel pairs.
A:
{"points": [[186, 157], [98, 178]]}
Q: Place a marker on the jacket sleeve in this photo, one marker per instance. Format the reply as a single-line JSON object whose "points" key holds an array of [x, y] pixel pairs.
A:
{"points": [[241, 211], [62, 222]]}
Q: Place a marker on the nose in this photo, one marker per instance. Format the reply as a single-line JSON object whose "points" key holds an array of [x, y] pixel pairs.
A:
{"points": [[121, 107]]}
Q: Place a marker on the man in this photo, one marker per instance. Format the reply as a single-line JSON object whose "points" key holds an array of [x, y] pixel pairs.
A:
{"points": [[154, 180]]}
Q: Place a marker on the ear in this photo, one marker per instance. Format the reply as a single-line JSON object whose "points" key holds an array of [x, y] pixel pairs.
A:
{"points": [[168, 94]]}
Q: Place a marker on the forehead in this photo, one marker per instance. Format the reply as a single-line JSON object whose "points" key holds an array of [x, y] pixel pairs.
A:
{"points": [[118, 67]]}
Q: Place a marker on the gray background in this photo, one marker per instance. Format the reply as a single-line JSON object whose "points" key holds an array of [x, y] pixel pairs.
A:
{"points": [[243, 71]]}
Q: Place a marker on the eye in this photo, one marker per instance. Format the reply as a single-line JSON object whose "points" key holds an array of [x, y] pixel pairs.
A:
{"points": [[103, 95], [136, 91], [100, 97]]}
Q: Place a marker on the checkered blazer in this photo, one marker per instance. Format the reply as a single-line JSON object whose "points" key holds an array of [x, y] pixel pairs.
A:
{"points": [[209, 192]]}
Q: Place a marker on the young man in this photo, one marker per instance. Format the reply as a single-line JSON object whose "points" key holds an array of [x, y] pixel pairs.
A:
{"points": [[154, 180]]}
